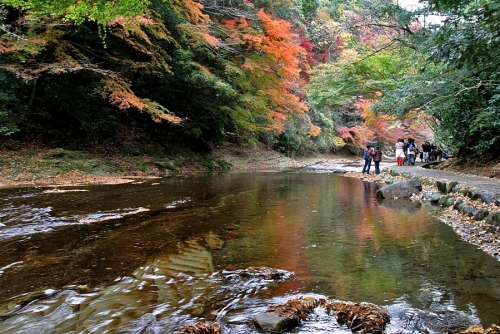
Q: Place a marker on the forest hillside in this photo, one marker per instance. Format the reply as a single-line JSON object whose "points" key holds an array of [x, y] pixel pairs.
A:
{"points": [[174, 78]]}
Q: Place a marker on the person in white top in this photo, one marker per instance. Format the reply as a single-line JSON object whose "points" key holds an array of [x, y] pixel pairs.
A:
{"points": [[400, 151]]}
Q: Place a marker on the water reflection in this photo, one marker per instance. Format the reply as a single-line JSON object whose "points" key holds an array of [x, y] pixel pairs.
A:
{"points": [[152, 256]]}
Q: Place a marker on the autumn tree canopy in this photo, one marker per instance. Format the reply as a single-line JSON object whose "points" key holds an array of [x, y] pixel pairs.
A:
{"points": [[299, 75]]}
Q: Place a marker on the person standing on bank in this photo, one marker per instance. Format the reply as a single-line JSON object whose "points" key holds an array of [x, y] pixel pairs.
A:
{"points": [[377, 157], [368, 159], [411, 151], [400, 151], [426, 148]]}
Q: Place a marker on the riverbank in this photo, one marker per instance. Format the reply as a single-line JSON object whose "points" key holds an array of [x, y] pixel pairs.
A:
{"points": [[39, 166]]}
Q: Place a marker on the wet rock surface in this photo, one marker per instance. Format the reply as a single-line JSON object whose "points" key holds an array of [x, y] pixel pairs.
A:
{"points": [[401, 189]]}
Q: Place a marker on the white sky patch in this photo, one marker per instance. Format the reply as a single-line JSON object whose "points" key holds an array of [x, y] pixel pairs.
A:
{"points": [[423, 19], [410, 4]]}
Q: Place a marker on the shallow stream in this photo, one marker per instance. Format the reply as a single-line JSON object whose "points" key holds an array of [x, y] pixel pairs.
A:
{"points": [[151, 256]]}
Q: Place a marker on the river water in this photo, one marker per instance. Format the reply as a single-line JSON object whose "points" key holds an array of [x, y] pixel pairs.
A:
{"points": [[148, 257]]}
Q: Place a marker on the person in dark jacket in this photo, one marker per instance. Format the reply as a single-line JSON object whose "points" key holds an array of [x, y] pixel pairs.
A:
{"points": [[426, 149], [368, 159], [377, 157]]}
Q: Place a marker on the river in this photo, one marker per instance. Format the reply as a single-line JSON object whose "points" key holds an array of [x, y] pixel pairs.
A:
{"points": [[148, 257]]}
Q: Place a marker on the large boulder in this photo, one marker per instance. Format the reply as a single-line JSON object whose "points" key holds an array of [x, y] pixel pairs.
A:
{"points": [[401, 189]]}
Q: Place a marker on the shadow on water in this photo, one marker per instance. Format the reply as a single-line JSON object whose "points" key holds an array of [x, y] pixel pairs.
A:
{"points": [[150, 257]]}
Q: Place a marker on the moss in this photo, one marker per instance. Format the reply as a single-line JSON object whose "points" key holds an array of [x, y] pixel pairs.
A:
{"points": [[465, 192], [64, 155], [163, 164], [224, 165], [207, 162]]}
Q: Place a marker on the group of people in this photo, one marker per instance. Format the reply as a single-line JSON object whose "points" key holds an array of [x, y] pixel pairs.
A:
{"points": [[406, 152], [433, 153], [369, 154]]}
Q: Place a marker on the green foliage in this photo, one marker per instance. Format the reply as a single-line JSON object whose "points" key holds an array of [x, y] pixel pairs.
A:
{"points": [[201, 98], [208, 162], [62, 105], [198, 80], [459, 83], [100, 11], [328, 121], [294, 139], [9, 104], [339, 84]]}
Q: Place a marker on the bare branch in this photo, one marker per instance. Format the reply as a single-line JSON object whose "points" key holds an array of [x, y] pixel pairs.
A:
{"points": [[4, 28]]}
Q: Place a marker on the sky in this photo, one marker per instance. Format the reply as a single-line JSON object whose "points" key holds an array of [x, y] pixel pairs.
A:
{"points": [[414, 4]]}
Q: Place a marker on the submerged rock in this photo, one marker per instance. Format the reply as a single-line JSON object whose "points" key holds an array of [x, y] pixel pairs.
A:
{"points": [[281, 318], [359, 317], [270, 322], [200, 327], [259, 272]]}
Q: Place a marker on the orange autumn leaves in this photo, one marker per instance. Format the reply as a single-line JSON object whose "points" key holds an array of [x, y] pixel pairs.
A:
{"points": [[383, 128], [273, 63]]}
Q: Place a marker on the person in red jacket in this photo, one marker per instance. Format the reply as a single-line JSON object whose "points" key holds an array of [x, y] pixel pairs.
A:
{"points": [[377, 157]]}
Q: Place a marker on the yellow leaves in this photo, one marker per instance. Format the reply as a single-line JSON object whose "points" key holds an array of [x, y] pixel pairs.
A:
{"points": [[349, 55], [192, 10], [314, 130], [338, 142]]}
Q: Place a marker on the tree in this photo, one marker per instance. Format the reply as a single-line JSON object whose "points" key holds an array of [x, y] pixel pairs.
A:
{"points": [[268, 60], [459, 84], [100, 11]]}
